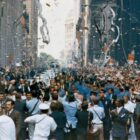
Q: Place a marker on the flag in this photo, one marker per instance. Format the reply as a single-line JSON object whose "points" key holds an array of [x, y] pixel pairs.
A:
{"points": [[110, 61], [131, 57], [24, 21], [105, 47]]}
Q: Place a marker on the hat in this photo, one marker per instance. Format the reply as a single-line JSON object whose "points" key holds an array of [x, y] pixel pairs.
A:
{"points": [[43, 106]]}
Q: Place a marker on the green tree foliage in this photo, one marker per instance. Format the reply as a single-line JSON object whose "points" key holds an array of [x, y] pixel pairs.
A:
{"points": [[45, 60]]}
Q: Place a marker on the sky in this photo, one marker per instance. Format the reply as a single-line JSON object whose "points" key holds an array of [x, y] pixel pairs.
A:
{"points": [[55, 15]]}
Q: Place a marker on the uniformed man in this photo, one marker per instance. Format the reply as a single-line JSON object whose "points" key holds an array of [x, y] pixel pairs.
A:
{"points": [[44, 124]]}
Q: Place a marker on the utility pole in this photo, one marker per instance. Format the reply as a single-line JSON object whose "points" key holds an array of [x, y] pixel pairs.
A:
{"points": [[122, 41], [86, 31]]}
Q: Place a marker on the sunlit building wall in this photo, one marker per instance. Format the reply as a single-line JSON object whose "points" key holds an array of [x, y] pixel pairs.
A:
{"points": [[11, 32], [70, 32], [16, 43], [30, 42]]}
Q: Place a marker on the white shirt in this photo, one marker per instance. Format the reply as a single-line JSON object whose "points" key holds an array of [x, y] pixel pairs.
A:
{"points": [[30, 105], [100, 111], [119, 109], [129, 106], [9, 113], [7, 128], [43, 125]]}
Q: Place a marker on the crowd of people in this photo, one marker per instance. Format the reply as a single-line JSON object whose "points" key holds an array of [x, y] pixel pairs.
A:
{"points": [[107, 99]]}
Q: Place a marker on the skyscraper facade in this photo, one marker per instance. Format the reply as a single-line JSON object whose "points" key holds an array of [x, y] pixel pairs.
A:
{"points": [[18, 32]]}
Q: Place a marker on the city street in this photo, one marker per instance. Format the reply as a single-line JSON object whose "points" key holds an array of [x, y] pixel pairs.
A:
{"points": [[69, 69]]}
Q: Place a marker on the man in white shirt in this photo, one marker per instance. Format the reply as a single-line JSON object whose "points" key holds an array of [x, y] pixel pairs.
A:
{"points": [[130, 107], [7, 127], [43, 123], [33, 108], [98, 115]]}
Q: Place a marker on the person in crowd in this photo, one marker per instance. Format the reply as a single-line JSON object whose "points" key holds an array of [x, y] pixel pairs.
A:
{"points": [[60, 90], [119, 118], [87, 89], [137, 117], [28, 97], [109, 84], [70, 109], [83, 117], [106, 104], [126, 91], [54, 96], [73, 88], [33, 108], [11, 86], [22, 87], [93, 95], [20, 106], [98, 116], [130, 107], [60, 119], [34, 86], [67, 83], [2, 99], [110, 95], [95, 88], [121, 91], [14, 115], [46, 99], [44, 124], [7, 126]]}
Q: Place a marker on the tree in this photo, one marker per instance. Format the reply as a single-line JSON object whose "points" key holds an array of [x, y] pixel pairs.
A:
{"points": [[45, 60]]}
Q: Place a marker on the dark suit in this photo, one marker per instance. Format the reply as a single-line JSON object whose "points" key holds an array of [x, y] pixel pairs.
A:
{"points": [[22, 88], [20, 106], [112, 98], [106, 104], [82, 124], [16, 117], [119, 131], [60, 119]]}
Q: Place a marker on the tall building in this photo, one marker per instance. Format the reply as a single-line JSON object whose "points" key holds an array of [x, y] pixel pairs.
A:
{"points": [[85, 28], [11, 32], [129, 22], [30, 44], [18, 32], [70, 31], [82, 32], [71, 50], [101, 34]]}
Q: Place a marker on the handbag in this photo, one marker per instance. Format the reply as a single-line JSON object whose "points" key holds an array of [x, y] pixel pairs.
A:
{"points": [[68, 127]]}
